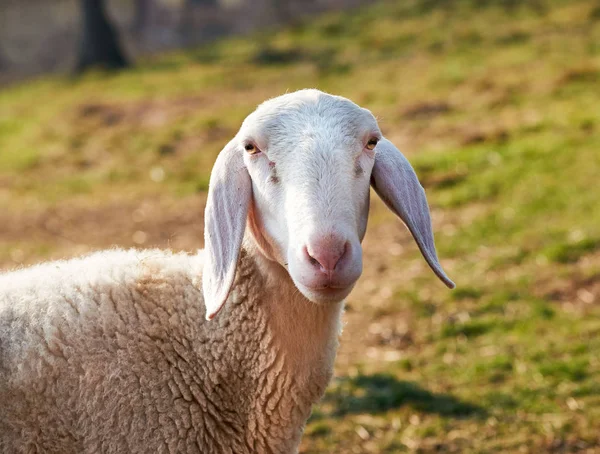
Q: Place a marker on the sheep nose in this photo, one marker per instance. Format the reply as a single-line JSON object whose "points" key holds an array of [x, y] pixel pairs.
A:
{"points": [[326, 254]]}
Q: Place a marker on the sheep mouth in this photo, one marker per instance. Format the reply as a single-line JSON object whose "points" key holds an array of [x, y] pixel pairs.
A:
{"points": [[326, 294]]}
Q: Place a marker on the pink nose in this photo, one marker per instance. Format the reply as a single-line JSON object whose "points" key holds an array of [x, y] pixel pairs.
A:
{"points": [[326, 253]]}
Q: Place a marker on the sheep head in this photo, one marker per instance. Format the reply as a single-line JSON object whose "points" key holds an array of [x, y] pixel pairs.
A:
{"points": [[297, 175]]}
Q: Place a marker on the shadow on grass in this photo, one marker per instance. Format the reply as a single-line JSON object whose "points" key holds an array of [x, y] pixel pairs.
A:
{"points": [[383, 392]]}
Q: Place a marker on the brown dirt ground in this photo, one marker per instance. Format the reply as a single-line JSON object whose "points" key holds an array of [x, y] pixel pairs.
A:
{"points": [[73, 229]]}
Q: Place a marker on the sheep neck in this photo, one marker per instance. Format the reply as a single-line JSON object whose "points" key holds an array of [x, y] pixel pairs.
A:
{"points": [[300, 340], [306, 332]]}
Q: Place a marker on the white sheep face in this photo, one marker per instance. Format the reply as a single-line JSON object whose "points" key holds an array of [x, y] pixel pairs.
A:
{"points": [[298, 174], [310, 167]]}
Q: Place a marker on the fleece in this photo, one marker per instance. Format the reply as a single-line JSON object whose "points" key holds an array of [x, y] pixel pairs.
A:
{"points": [[111, 353]]}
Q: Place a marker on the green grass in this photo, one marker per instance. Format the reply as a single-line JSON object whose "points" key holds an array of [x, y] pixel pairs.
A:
{"points": [[495, 104]]}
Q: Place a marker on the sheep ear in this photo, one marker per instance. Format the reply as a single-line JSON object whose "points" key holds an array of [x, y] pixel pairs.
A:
{"points": [[396, 183], [229, 195]]}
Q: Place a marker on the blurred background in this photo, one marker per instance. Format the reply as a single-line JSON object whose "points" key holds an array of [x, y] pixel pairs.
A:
{"points": [[41, 36], [112, 113]]}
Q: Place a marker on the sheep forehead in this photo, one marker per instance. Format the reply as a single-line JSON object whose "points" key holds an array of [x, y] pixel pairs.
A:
{"points": [[298, 121]]}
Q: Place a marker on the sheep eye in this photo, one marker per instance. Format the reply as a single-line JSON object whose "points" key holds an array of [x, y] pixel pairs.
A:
{"points": [[251, 149], [372, 143]]}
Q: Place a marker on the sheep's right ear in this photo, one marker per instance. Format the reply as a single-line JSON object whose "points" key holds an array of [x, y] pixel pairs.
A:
{"points": [[229, 194]]}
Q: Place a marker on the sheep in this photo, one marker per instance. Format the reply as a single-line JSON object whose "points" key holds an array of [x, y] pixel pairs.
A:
{"points": [[110, 352]]}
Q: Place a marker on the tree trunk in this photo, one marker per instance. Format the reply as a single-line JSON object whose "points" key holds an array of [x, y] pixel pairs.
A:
{"points": [[99, 44], [142, 11], [3, 61]]}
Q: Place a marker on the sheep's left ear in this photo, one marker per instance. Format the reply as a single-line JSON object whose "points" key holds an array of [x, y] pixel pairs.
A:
{"points": [[396, 183], [229, 194]]}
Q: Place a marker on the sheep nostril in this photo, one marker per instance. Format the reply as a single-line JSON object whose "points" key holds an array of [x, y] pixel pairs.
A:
{"points": [[339, 260], [313, 261]]}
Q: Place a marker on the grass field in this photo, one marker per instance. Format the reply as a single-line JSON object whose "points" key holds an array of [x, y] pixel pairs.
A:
{"points": [[496, 104]]}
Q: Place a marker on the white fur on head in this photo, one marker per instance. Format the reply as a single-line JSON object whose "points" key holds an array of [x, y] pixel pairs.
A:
{"points": [[227, 205], [311, 187], [299, 172]]}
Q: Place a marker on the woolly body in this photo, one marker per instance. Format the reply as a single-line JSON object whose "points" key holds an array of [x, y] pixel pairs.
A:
{"points": [[111, 353]]}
